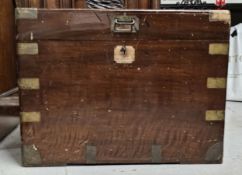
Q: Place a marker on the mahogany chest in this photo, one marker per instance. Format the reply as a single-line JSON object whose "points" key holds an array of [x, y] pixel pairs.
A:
{"points": [[122, 86]]}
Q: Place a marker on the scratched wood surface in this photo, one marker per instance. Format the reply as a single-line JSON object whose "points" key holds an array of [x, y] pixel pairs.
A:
{"points": [[10, 157], [95, 25], [51, 3], [130, 4], [87, 101]]}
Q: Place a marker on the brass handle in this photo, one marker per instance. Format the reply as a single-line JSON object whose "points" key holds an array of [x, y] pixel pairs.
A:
{"points": [[125, 24], [132, 22]]}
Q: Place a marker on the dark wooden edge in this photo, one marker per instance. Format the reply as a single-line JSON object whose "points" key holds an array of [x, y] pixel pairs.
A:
{"points": [[235, 9], [59, 30], [232, 7]]}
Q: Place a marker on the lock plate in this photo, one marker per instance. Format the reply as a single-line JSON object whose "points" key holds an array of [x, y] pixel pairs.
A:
{"points": [[124, 57], [125, 24]]}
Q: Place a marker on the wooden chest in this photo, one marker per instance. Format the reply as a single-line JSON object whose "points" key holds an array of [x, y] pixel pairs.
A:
{"points": [[122, 86]]}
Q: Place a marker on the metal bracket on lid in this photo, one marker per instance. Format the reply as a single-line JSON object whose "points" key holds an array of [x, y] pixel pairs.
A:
{"points": [[26, 13]]}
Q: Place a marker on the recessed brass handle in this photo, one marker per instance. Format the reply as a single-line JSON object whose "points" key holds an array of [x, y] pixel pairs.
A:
{"points": [[125, 24]]}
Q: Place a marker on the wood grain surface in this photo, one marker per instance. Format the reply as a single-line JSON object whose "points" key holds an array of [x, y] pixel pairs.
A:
{"points": [[144, 4], [94, 110], [133, 4], [7, 54], [50, 4], [95, 25], [155, 4]]}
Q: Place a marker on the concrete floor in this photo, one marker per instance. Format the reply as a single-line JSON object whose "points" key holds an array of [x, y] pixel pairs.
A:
{"points": [[7, 124]]}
